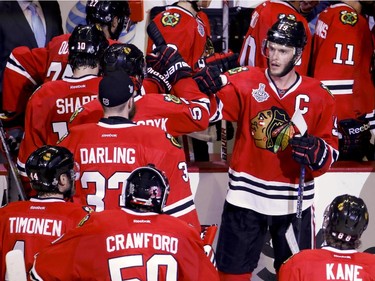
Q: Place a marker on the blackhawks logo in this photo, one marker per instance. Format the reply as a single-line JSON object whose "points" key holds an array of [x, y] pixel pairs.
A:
{"points": [[350, 18], [169, 19], [272, 129]]}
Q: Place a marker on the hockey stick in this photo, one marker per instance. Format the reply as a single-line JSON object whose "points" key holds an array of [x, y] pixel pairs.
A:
{"points": [[12, 167], [300, 123], [15, 266], [208, 234], [301, 186]]}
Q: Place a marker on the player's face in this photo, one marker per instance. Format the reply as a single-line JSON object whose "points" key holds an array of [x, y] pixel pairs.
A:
{"points": [[204, 3], [307, 6], [280, 58]]}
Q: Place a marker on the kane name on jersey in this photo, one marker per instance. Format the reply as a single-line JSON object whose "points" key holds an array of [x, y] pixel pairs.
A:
{"points": [[338, 271]]}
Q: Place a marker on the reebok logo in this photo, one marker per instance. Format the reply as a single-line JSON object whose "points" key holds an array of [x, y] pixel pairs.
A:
{"points": [[357, 130]]}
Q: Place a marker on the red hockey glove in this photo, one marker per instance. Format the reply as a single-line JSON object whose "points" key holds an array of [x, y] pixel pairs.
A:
{"points": [[208, 79], [354, 140], [224, 61], [164, 85], [309, 150], [167, 61]]}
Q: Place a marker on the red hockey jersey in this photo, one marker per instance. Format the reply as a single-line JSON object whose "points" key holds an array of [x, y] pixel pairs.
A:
{"points": [[49, 110], [190, 34], [341, 59], [329, 264], [108, 151], [123, 245], [263, 175], [27, 69], [262, 19], [32, 225], [170, 113]]}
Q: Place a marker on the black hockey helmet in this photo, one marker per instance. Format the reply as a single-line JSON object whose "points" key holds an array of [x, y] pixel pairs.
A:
{"points": [[346, 218], [45, 165], [126, 57], [288, 32], [103, 12], [87, 39], [146, 190]]}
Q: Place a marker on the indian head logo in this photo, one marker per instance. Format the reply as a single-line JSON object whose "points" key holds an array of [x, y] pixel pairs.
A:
{"points": [[271, 129]]}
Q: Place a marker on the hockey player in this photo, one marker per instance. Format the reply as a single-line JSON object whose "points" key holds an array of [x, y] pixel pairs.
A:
{"points": [[108, 150], [50, 107], [262, 18], [138, 242], [29, 68], [264, 169], [341, 59], [345, 220], [31, 225], [174, 115], [180, 24]]}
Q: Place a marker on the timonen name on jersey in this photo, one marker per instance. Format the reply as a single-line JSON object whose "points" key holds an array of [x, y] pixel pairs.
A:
{"points": [[41, 226]]}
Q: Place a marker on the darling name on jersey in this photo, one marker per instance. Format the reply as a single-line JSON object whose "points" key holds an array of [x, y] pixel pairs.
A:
{"points": [[35, 226], [142, 240], [71, 104], [96, 155]]}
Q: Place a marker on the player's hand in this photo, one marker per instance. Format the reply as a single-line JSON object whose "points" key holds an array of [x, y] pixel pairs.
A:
{"points": [[159, 79], [224, 61], [14, 138], [309, 150], [167, 61], [354, 138], [208, 79]]}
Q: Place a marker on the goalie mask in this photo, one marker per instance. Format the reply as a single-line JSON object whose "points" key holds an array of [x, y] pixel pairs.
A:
{"points": [[45, 165], [287, 32], [103, 12], [126, 57], [146, 190], [346, 218]]}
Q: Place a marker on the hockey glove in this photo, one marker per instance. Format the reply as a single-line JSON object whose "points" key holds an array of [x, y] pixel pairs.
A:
{"points": [[354, 139], [164, 85], [208, 79], [224, 61], [167, 61], [309, 150]]}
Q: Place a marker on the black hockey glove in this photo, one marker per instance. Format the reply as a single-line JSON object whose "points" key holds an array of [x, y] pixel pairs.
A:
{"points": [[163, 83], [167, 61], [224, 61], [14, 138], [354, 139], [208, 79], [309, 150]]}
